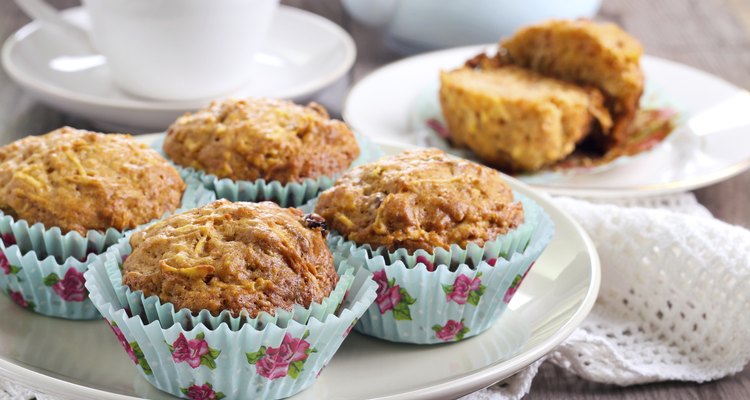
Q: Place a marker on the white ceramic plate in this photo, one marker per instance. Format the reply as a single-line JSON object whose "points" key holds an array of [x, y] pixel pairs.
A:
{"points": [[303, 54], [82, 360], [711, 144]]}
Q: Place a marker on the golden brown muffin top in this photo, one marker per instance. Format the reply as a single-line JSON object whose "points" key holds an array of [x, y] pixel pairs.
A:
{"points": [[515, 119], [580, 50], [233, 256], [420, 199], [513, 83], [251, 139], [585, 52], [80, 180]]}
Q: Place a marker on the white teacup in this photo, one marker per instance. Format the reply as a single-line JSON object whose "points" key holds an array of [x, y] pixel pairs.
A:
{"points": [[171, 49]]}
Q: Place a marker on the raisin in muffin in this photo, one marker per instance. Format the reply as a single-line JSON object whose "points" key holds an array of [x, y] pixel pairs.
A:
{"points": [[588, 53], [79, 181], [518, 120], [421, 199], [267, 139], [233, 256]]}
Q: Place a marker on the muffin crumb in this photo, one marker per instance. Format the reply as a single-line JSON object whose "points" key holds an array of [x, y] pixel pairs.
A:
{"points": [[79, 180], [252, 257], [420, 199]]}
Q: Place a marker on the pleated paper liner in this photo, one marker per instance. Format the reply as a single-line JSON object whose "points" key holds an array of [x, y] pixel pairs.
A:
{"points": [[286, 195], [40, 282], [231, 361], [449, 295], [46, 286]]}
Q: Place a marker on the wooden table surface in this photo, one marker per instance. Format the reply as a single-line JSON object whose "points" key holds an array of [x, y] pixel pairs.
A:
{"points": [[712, 35]]}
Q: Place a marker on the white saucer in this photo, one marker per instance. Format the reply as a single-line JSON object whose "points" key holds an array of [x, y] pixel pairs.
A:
{"points": [[711, 144], [82, 360], [303, 54]]}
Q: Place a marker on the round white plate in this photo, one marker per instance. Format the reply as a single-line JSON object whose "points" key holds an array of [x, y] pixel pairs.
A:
{"points": [[711, 144], [82, 360], [303, 54]]}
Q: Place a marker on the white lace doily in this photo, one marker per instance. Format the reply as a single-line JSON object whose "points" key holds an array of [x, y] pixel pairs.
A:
{"points": [[674, 302]]}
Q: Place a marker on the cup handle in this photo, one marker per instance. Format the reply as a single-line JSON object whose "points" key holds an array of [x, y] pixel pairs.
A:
{"points": [[50, 17]]}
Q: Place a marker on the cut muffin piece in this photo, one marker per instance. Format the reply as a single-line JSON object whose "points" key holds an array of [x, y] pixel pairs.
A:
{"points": [[422, 199], [588, 53], [259, 138], [240, 256], [80, 180], [518, 120]]}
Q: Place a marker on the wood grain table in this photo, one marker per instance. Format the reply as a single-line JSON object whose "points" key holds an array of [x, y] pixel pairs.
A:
{"points": [[712, 35]]}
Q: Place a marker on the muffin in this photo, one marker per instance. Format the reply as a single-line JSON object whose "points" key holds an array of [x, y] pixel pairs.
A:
{"points": [[518, 120], [587, 53], [87, 189], [253, 257], [251, 139], [80, 180], [447, 241], [282, 310], [421, 199]]}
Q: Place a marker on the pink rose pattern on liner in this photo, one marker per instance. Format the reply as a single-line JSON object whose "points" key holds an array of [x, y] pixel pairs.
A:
{"points": [[124, 343], [514, 286], [194, 352], [286, 360], [392, 297], [349, 329], [5, 265], [89, 250], [17, 298], [8, 239], [132, 348], [70, 287], [452, 331], [465, 290], [427, 263], [203, 392]]}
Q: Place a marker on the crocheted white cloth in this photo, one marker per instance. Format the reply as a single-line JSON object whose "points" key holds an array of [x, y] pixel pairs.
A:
{"points": [[674, 302]]}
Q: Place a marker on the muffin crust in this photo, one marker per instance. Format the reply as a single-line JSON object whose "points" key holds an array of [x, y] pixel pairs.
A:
{"points": [[262, 138], [233, 256], [81, 180], [588, 53], [420, 199], [518, 120]]}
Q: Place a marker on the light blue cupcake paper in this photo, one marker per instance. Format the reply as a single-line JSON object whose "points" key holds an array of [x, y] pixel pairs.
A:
{"points": [[286, 195], [270, 361], [32, 275], [46, 286], [463, 294]]}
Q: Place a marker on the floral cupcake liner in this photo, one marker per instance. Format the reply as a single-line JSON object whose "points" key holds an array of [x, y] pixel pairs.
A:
{"points": [[286, 195], [52, 242], [46, 286], [151, 309], [38, 281], [452, 295], [198, 362]]}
